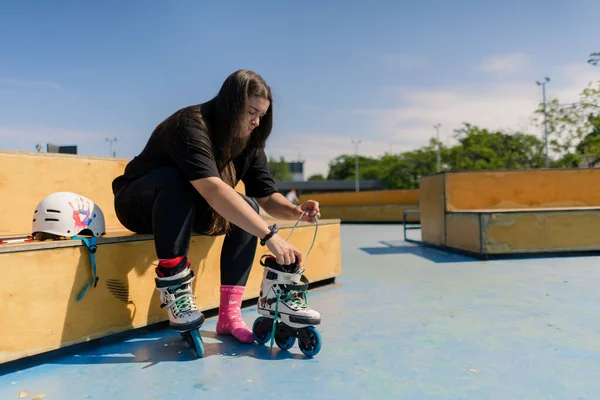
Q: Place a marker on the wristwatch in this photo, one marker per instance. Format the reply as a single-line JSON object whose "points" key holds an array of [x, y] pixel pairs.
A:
{"points": [[273, 230]]}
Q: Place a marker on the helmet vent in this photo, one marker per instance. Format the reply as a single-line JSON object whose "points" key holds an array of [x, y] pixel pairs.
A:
{"points": [[53, 211], [51, 219]]}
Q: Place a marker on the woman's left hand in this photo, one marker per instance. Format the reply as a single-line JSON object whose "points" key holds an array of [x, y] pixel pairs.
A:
{"points": [[311, 209]]}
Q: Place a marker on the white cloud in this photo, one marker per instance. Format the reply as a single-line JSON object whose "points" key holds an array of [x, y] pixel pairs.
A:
{"points": [[491, 105], [29, 83], [408, 124], [508, 63]]}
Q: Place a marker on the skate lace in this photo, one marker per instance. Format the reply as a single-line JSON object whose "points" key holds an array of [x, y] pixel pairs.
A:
{"points": [[183, 303], [294, 298]]}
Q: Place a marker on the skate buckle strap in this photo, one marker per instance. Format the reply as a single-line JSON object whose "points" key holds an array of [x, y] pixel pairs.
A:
{"points": [[91, 245]]}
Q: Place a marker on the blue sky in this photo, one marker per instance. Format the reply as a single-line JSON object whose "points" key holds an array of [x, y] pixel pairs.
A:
{"points": [[383, 72]]}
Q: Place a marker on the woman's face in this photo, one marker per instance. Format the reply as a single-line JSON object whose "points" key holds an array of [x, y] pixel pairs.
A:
{"points": [[256, 109]]}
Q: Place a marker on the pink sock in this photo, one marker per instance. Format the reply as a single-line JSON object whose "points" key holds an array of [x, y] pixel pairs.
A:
{"points": [[230, 318]]}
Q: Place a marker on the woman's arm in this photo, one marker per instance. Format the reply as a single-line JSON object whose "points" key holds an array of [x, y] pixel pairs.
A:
{"points": [[230, 205], [277, 206]]}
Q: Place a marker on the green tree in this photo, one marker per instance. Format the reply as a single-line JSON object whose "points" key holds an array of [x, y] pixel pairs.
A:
{"points": [[594, 58], [569, 124], [316, 177], [280, 169], [342, 168], [589, 147], [480, 149]]}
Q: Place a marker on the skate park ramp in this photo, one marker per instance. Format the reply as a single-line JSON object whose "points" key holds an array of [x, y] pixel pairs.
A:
{"points": [[124, 297], [512, 213], [381, 206], [410, 323]]}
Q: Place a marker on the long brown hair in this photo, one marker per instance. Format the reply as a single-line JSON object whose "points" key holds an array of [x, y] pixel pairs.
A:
{"points": [[223, 118]]}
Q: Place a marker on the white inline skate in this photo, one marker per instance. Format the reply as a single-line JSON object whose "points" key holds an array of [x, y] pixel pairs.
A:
{"points": [[284, 311], [184, 316]]}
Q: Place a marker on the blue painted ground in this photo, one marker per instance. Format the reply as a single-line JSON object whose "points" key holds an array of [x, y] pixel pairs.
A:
{"points": [[402, 322]]}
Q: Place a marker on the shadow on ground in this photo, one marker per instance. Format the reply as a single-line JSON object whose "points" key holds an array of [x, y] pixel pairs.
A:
{"points": [[431, 254], [151, 346]]}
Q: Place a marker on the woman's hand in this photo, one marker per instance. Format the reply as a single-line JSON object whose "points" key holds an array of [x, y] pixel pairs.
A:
{"points": [[284, 252], [311, 210]]}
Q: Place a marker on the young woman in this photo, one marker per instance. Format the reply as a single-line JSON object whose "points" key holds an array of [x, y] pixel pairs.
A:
{"points": [[183, 181]]}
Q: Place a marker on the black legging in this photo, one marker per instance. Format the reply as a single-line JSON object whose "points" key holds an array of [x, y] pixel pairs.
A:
{"points": [[165, 204]]}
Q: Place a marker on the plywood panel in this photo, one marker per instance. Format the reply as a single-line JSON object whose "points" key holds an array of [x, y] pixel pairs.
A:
{"points": [[367, 198], [42, 313], [26, 178], [506, 233], [463, 231], [522, 189], [369, 213], [431, 205]]}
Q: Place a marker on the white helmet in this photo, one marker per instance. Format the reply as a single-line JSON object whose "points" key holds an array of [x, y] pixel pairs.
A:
{"points": [[67, 214]]}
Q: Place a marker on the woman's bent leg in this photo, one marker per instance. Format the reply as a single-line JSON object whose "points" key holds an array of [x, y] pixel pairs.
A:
{"points": [[163, 203]]}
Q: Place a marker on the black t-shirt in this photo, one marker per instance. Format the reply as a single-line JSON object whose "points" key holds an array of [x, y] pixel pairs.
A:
{"points": [[189, 149]]}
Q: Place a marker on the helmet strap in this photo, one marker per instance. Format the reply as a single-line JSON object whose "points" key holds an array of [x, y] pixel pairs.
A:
{"points": [[91, 245]]}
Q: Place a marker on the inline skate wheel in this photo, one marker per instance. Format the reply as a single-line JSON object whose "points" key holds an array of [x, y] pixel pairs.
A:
{"points": [[311, 346], [284, 342], [261, 330], [188, 338], [198, 346]]}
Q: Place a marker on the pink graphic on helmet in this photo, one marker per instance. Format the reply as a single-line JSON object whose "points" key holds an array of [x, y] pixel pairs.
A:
{"points": [[81, 213]]}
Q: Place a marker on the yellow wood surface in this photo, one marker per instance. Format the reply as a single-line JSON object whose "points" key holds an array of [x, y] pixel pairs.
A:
{"points": [[431, 205], [26, 178], [522, 189], [541, 231], [380, 213], [367, 198], [463, 232], [44, 315]]}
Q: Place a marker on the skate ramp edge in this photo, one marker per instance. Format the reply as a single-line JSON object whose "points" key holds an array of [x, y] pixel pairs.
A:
{"points": [[512, 213], [369, 206], [42, 313]]}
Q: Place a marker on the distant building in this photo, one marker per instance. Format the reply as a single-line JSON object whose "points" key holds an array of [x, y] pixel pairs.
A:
{"points": [[297, 170], [53, 148]]}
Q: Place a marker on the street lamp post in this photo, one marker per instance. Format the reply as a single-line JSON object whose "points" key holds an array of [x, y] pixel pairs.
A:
{"points": [[356, 143], [543, 85], [437, 135], [110, 142]]}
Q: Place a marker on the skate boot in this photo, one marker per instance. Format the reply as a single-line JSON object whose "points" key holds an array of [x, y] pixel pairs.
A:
{"points": [[285, 314], [177, 297]]}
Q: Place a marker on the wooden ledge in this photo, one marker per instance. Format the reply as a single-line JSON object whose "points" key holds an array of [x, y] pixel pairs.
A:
{"points": [[523, 210], [121, 235]]}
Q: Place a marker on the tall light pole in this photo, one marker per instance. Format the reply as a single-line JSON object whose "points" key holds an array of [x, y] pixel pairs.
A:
{"points": [[356, 143], [543, 85], [110, 142], [437, 135]]}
